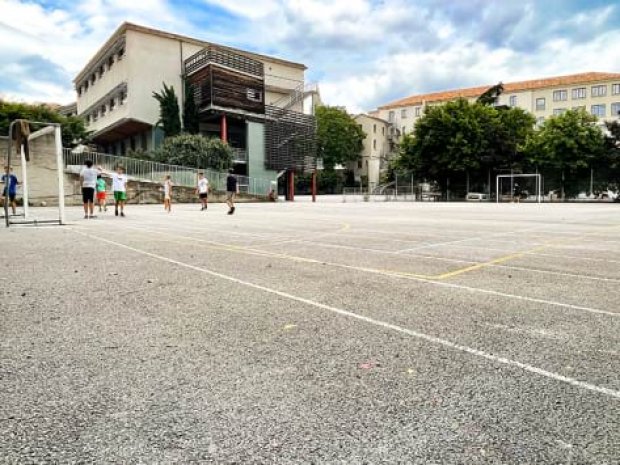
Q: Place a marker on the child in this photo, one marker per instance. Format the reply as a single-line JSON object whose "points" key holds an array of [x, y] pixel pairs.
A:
{"points": [[203, 190], [101, 187], [10, 187], [119, 186], [168, 194], [88, 178], [232, 189]]}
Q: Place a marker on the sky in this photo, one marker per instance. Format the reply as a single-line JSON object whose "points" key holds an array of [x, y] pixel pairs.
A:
{"points": [[363, 53]]}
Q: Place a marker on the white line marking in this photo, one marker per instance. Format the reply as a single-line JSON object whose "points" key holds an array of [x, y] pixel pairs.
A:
{"points": [[432, 339], [395, 274]]}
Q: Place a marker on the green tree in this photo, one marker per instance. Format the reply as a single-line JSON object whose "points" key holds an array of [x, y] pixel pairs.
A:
{"points": [[196, 151], [191, 118], [567, 143], [339, 137], [73, 129], [169, 119], [491, 95]]}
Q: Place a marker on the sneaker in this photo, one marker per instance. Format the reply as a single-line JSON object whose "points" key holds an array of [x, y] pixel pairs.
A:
{"points": [[122, 213], [232, 210], [116, 212], [85, 217]]}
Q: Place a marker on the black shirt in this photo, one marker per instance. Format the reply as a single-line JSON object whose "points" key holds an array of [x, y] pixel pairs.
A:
{"points": [[231, 183]]}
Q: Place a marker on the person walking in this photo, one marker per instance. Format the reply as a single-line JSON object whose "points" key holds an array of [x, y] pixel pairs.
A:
{"points": [[101, 195], [168, 193], [88, 179], [10, 188], [203, 190], [232, 189], [119, 186]]}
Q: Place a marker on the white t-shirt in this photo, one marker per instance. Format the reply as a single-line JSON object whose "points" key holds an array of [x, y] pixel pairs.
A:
{"points": [[89, 176], [167, 188], [119, 182], [203, 186]]}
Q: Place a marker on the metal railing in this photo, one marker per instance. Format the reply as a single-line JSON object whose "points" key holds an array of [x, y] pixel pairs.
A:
{"points": [[150, 171]]}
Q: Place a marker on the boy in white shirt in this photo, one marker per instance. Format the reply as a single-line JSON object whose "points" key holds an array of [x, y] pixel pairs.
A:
{"points": [[168, 193], [88, 178], [119, 186], [203, 190]]}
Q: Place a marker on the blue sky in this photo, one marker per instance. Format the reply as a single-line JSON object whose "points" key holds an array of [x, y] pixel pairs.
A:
{"points": [[363, 53]]}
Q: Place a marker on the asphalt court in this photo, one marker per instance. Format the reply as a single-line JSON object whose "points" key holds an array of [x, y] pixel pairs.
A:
{"points": [[343, 333]]}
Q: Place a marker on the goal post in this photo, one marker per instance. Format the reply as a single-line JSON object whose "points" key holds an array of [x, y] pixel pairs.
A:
{"points": [[517, 187], [18, 143]]}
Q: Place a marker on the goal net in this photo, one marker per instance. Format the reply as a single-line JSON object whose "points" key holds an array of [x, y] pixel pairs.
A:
{"points": [[519, 188], [33, 174]]}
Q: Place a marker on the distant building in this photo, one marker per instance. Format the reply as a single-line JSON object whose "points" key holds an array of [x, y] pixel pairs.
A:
{"points": [[597, 93], [254, 102], [378, 148], [68, 110]]}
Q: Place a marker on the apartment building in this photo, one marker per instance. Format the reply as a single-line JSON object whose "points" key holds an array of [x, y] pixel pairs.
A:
{"points": [[377, 150], [115, 95], [597, 93]]}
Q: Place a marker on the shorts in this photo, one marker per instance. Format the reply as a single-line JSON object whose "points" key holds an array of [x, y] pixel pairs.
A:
{"points": [[11, 197], [203, 195], [101, 195], [88, 194], [120, 196], [230, 195], [167, 197]]}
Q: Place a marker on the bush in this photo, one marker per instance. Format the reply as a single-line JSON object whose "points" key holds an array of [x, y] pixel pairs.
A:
{"points": [[196, 151]]}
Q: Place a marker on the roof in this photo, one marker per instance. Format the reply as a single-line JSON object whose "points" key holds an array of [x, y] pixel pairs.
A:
{"points": [[126, 26], [534, 84], [371, 117]]}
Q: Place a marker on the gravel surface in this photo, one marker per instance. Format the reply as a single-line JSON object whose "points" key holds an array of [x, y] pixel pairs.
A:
{"points": [[328, 333]]}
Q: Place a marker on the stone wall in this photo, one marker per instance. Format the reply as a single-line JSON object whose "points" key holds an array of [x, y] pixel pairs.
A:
{"points": [[43, 180]]}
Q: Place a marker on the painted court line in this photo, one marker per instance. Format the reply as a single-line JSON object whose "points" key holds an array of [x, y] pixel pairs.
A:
{"points": [[382, 324], [419, 278]]}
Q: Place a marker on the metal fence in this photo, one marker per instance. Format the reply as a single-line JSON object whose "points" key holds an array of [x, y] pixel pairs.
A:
{"points": [[150, 171]]}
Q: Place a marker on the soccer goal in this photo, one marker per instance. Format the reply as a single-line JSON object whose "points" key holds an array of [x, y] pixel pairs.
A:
{"points": [[519, 188], [20, 145]]}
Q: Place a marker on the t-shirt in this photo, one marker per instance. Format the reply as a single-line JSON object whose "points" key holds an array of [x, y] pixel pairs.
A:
{"points": [[203, 186], [119, 182], [101, 185], [12, 183], [231, 183], [167, 188], [89, 176]]}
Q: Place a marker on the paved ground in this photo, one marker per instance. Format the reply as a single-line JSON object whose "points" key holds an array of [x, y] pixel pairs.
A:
{"points": [[328, 333]]}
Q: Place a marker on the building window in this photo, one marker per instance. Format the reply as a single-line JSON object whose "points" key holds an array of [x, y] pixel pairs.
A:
{"points": [[615, 89], [374, 128], [541, 104], [103, 109], [86, 86], [560, 95], [101, 71], [418, 111], [254, 95], [403, 113], [110, 61], [599, 91], [122, 98], [112, 104], [598, 110], [121, 54], [579, 93], [391, 116], [359, 164], [374, 144], [615, 109], [513, 101], [93, 78], [558, 111]]}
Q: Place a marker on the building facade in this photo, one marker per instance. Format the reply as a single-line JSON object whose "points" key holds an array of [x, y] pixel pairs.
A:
{"points": [[597, 93], [115, 92], [378, 148]]}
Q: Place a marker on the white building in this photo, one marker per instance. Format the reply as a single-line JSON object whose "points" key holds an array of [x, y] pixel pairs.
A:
{"points": [[377, 150]]}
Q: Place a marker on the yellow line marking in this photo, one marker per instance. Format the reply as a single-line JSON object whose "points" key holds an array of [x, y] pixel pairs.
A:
{"points": [[213, 245]]}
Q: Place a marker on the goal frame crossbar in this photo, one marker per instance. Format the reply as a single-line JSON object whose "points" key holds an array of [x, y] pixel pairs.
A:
{"points": [[536, 176]]}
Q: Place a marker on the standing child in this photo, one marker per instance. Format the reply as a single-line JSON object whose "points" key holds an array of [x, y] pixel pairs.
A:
{"points": [[168, 193], [203, 190], [119, 186], [10, 188], [101, 187], [232, 189], [88, 178]]}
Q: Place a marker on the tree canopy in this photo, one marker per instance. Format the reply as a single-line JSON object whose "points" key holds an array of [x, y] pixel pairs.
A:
{"points": [[340, 138], [169, 116], [73, 129], [195, 151], [191, 119]]}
